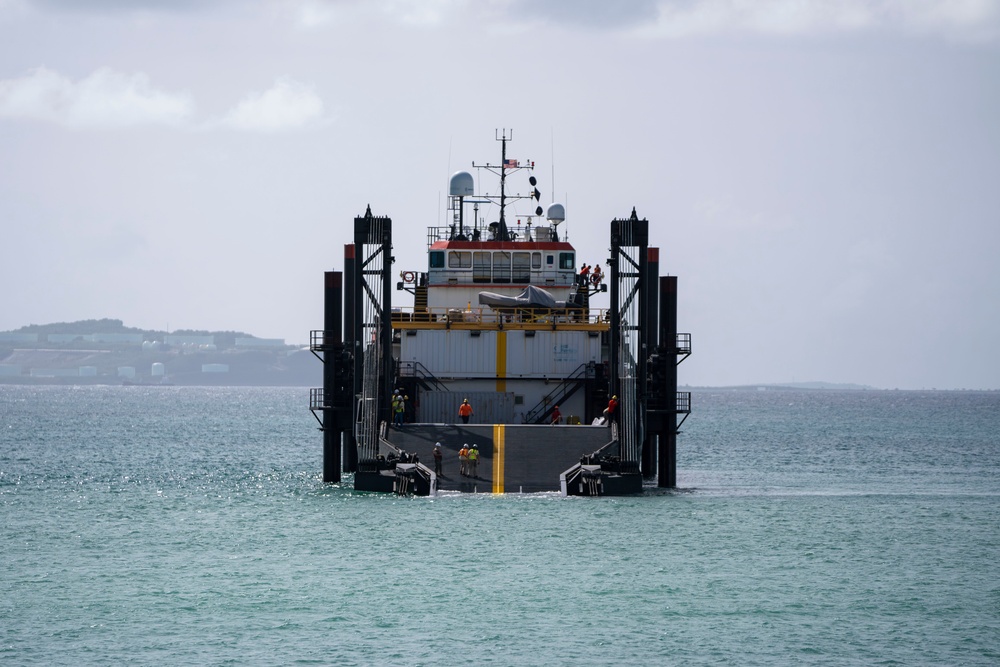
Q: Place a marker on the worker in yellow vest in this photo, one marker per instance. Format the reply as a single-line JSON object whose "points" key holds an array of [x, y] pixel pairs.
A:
{"points": [[474, 462]]}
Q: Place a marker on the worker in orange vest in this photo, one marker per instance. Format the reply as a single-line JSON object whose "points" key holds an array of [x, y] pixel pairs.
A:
{"points": [[463, 460], [597, 276], [465, 411], [609, 412]]}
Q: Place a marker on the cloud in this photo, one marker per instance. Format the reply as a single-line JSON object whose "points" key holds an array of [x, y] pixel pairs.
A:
{"points": [[592, 13], [320, 13], [287, 105], [963, 18], [124, 6], [951, 15], [315, 13], [104, 99], [12, 7], [421, 12], [975, 19], [113, 99]]}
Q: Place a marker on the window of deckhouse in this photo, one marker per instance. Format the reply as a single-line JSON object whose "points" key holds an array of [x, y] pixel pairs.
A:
{"points": [[521, 272], [481, 267], [459, 260], [501, 267]]}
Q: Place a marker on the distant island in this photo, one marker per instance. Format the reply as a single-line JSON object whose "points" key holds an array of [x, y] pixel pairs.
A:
{"points": [[840, 386], [106, 351]]}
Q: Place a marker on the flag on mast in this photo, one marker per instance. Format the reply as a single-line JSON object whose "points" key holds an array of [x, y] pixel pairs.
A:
{"points": [[510, 164]]}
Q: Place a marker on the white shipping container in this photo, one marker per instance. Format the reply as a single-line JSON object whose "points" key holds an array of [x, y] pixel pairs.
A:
{"points": [[488, 407], [551, 354], [458, 354], [451, 353]]}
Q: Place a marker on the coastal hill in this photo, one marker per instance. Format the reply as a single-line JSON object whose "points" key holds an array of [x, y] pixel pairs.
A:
{"points": [[106, 351]]}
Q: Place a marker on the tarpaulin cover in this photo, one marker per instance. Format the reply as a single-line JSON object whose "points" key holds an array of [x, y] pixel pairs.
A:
{"points": [[530, 297]]}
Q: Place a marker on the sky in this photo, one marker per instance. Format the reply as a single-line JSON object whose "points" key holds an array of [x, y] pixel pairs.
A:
{"points": [[822, 176]]}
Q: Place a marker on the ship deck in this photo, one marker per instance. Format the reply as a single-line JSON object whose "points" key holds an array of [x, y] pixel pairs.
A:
{"points": [[590, 319], [513, 457]]}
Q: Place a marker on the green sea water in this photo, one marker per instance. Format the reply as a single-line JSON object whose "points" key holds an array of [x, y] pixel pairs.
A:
{"points": [[177, 525]]}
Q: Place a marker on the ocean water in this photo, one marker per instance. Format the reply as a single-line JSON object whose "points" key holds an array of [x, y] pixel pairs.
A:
{"points": [[176, 526]]}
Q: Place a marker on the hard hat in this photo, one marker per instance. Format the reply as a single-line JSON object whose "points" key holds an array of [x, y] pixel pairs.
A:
{"points": [[614, 398]]}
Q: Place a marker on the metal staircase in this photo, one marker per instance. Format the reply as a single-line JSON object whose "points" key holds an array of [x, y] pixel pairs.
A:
{"points": [[564, 390]]}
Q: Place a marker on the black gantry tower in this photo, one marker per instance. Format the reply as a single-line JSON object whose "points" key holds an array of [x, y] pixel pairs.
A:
{"points": [[644, 350], [370, 335], [629, 310], [355, 346]]}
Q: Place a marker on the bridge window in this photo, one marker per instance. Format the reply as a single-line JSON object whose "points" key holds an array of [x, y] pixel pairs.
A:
{"points": [[501, 267], [566, 261], [459, 260], [536, 260], [437, 259], [521, 272], [481, 267]]}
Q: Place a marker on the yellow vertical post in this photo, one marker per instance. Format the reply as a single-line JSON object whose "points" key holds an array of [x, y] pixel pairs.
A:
{"points": [[498, 446]]}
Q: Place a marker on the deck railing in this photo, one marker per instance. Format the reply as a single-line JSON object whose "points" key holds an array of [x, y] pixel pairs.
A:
{"points": [[484, 315]]}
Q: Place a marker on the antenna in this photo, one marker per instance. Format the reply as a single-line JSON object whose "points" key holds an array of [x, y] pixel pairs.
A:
{"points": [[552, 140], [501, 230], [503, 179], [566, 235]]}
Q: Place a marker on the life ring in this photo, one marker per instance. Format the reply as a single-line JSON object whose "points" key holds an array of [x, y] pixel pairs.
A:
{"points": [[409, 276], [596, 278]]}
